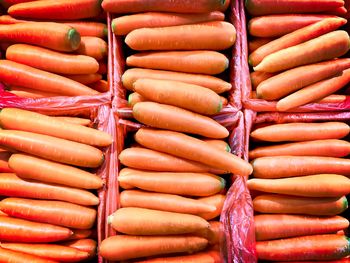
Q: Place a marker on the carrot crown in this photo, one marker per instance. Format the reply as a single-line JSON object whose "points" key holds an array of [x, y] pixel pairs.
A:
{"points": [[74, 38]]}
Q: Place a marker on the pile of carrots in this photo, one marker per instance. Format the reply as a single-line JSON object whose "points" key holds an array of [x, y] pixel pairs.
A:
{"points": [[53, 48], [48, 210], [172, 180], [300, 187], [295, 51]]}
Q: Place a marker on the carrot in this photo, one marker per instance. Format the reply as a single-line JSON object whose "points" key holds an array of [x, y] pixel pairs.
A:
{"points": [[177, 119], [283, 226], [19, 230], [314, 92], [334, 98], [215, 35], [188, 147], [320, 185], [339, 11], [187, 96], [123, 25], [123, 247], [57, 9], [48, 251], [318, 247], [214, 234], [201, 184], [85, 79], [31, 93], [181, 6], [8, 20], [257, 42], [330, 148], [79, 234], [51, 212], [215, 200], [52, 61], [134, 98], [265, 7], [87, 245], [258, 77], [203, 257], [217, 85], [11, 185], [17, 257], [285, 204], [205, 62], [296, 37], [30, 167], [219, 144], [279, 25], [146, 159], [300, 131], [327, 46], [32, 78], [88, 28], [141, 221], [52, 148], [102, 67], [288, 166], [4, 166], [163, 202], [46, 34], [75, 120], [294, 79], [94, 47]]}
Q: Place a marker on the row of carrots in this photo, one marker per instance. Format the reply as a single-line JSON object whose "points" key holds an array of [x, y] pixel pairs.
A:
{"points": [[300, 188], [295, 52], [173, 186], [50, 51], [48, 211]]}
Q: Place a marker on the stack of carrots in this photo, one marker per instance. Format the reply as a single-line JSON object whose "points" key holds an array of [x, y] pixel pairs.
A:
{"points": [[48, 210], [53, 48], [301, 182], [294, 51], [173, 192]]}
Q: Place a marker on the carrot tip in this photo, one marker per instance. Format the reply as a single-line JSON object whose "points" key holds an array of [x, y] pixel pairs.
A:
{"points": [[74, 38], [110, 219], [228, 148], [219, 106], [223, 182], [345, 203], [130, 99], [113, 27]]}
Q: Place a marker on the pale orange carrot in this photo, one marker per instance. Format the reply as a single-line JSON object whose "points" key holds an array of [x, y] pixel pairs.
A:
{"points": [[94, 47], [214, 200]]}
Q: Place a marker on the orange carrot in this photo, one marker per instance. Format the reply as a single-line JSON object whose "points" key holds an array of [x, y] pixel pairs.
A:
{"points": [[94, 47], [181, 6], [339, 11], [52, 212], [50, 60], [265, 7], [8, 20], [75, 120], [11, 185], [219, 144], [87, 245], [285, 204], [57, 9], [25, 76], [201, 184], [215, 200], [163, 202], [330, 148], [19, 230], [134, 98], [31, 93], [215, 35], [30, 167], [146, 159], [4, 166], [48, 251], [320, 185], [205, 62], [283, 226], [204, 257], [279, 25], [123, 247], [52, 148], [300, 131], [334, 98], [100, 85], [296, 37], [318, 247], [288, 166], [214, 234], [141, 221], [258, 77], [327, 46], [217, 85], [123, 25], [85, 79], [46, 34], [89, 29], [294, 79], [314, 92], [257, 42], [188, 147], [187, 96], [79, 234], [177, 119], [13, 256]]}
